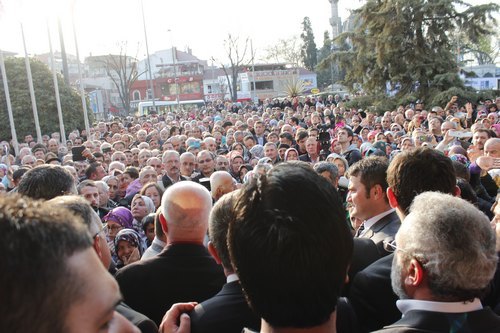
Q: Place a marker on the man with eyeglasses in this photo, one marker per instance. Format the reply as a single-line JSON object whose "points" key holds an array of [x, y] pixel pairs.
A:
{"points": [[443, 262], [206, 166], [171, 166]]}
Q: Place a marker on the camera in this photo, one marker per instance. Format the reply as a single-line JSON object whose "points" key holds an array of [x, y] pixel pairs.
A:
{"points": [[324, 139]]}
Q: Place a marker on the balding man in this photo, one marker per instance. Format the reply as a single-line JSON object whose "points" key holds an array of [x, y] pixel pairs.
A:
{"points": [[221, 182], [184, 270]]}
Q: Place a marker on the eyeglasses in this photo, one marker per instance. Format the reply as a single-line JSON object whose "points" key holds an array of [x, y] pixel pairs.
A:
{"points": [[392, 247], [103, 227], [114, 227]]}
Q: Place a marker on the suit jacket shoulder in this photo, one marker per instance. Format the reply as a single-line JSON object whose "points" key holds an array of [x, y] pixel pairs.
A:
{"points": [[139, 320], [384, 229], [481, 321], [181, 273], [305, 158], [227, 311], [372, 297]]}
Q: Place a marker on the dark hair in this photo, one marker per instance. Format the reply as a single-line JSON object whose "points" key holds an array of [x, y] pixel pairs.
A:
{"points": [[46, 182], [300, 135], [19, 173], [152, 184], [36, 284], [291, 225], [81, 208], [287, 136], [467, 192], [323, 166], [249, 137], [461, 171], [371, 171], [220, 216], [147, 220], [91, 169], [420, 170], [132, 172]]}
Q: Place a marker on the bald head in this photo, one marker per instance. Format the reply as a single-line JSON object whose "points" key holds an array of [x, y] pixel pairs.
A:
{"points": [[221, 183], [492, 147], [185, 210]]}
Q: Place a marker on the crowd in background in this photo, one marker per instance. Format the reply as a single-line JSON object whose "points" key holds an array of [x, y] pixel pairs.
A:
{"points": [[126, 169]]}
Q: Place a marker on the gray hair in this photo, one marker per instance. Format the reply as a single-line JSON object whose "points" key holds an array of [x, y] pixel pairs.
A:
{"points": [[102, 185], [454, 242]]}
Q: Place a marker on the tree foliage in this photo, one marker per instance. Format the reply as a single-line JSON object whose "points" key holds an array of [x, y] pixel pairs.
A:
{"points": [[285, 50], [309, 51], [122, 70], [406, 45], [484, 50], [45, 100]]}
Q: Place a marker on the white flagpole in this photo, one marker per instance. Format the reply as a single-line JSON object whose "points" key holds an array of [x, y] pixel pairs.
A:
{"points": [[82, 91], [9, 105], [32, 89], [56, 88]]}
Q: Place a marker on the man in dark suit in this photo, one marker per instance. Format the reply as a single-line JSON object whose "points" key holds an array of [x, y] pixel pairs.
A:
{"points": [[443, 262], [259, 136], [292, 281], [312, 155], [368, 198], [184, 271], [227, 311], [410, 173], [172, 166]]}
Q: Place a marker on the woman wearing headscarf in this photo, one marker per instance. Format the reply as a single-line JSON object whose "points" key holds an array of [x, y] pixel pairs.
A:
{"points": [[117, 219], [141, 206], [128, 247]]}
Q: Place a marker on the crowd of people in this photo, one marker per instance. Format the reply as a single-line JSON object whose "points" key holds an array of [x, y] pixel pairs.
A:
{"points": [[287, 216]]}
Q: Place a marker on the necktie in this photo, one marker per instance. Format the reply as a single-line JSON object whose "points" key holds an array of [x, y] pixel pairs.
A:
{"points": [[360, 229]]}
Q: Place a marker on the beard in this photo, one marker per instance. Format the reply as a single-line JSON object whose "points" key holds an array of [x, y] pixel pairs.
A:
{"points": [[397, 279]]}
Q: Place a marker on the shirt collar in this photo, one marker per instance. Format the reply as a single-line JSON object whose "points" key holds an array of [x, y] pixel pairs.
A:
{"points": [[405, 305], [232, 277], [372, 220]]}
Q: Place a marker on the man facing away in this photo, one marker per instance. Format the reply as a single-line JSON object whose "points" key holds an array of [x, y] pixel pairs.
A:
{"points": [[227, 311], [291, 252], [184, 270]]}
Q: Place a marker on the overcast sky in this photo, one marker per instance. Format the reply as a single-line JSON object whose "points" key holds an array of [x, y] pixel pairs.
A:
{"points": [[200, 24]]}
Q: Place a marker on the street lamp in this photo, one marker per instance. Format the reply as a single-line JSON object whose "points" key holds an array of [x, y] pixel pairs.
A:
{"points": [[175, 70], [149, 59]]}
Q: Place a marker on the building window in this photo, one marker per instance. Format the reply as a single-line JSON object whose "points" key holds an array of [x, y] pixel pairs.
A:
{"points": [[136, 95], [264, 85]]}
